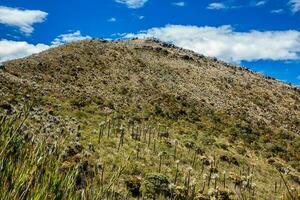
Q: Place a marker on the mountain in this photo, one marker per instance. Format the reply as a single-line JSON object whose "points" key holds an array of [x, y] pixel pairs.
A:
{"points": [[161, 120]]}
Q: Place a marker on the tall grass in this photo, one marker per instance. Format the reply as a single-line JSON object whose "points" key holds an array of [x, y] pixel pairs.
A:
{"points": [[33, 166]]}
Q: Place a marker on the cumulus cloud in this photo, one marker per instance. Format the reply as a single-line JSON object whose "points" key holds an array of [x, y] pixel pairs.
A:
{"points": [[229, 45], [180, 4], [69, 37], [216, 6], [14, 49], [23, 19], [10, 49], [133, 3], [295, 5]]}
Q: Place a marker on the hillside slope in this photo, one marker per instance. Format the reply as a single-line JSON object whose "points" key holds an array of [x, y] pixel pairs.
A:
{"points": [[228, 112]]}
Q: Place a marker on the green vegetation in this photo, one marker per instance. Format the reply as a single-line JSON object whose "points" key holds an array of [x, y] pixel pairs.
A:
{"points": [[144, 120], [43, 167]]}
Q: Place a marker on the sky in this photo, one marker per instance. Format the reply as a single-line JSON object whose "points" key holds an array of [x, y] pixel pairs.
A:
{"points": [[262, 35]]}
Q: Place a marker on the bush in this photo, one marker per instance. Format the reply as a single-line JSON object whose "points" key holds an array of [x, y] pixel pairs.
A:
{"points": [[154, 185]]}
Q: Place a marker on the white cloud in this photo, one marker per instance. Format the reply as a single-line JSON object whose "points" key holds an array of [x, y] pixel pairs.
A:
{"points": [[233, 4], [113, 19], [180, 4], [69, 37], [277, 11], [17, 49], [141, 17], [133, 3], [216, 6], [260, 3], [14, 49], [229, 45], [295, 5], [23, 19]]}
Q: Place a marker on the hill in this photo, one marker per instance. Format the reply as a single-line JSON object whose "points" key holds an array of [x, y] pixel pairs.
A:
{"points": [[126, 116]]}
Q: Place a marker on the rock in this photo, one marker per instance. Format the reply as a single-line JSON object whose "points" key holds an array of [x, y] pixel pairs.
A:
{"points": [[2, 67]]}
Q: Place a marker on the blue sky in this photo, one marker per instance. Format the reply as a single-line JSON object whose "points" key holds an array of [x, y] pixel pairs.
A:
{"points": [[263, 35]]}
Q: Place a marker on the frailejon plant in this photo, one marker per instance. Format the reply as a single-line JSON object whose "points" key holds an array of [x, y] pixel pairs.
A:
{"points": [[188, 178], [177, 170], [101, 131], [161, 155], [122, 134], [138, 150], [163, 131], [175, 149], [150, 133]]}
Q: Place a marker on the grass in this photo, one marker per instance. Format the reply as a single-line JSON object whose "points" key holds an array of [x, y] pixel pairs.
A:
{"points": [[33, 166], [218, 130]]}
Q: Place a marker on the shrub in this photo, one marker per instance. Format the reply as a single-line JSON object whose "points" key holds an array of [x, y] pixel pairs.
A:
{"points": [[154, 185]]}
